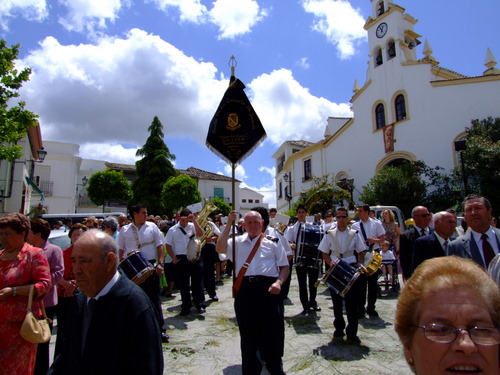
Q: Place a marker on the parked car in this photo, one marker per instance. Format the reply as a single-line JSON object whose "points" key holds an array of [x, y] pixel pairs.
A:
{"points": [[60, 237], [77, 218]]}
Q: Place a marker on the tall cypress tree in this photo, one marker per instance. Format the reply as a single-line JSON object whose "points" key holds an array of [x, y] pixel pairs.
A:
{"points": [[153, 169]]}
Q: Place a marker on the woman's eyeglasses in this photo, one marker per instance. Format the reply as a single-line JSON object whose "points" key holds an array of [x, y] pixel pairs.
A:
{"points": [[445, 333]]}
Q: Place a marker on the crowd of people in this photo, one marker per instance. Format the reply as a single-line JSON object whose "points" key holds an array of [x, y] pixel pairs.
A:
{"points": [[447, 316]]}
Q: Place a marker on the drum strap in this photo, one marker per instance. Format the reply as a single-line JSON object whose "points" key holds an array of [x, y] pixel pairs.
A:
{"points": [[370, 245], [244, 267], [342, 251], [136, 236]]}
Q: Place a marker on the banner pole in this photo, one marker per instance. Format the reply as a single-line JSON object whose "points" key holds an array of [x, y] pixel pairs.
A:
{"points": [[233, 229]]}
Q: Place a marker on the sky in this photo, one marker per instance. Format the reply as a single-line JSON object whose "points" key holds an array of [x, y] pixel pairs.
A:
{"points": [[102, 69]]}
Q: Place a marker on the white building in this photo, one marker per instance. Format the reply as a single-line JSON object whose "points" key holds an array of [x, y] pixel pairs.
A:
{"points": [[18, 186], [64, 174], [407, 109], [249, 199]]}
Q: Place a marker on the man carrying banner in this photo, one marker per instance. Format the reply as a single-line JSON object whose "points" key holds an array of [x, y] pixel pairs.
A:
{"points": [[258, 305]]}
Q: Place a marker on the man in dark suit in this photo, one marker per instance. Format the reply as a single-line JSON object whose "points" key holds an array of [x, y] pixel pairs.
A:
{"points": [[113, 327], [481, 242], [435, 244], [422, 218]]}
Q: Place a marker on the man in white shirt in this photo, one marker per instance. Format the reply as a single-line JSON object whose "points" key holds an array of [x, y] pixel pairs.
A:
{"points": [[373, 234], [188, 273], [344, 243], [258, 304], [145, 236], [306, 264]]}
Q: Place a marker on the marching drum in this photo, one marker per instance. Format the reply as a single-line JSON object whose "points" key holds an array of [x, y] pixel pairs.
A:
{"points": [[135, 267], [340, 277], [307, 253]]}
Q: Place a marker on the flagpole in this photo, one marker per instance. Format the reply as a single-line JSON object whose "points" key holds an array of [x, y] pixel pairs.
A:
{"points": [[233, 231]]}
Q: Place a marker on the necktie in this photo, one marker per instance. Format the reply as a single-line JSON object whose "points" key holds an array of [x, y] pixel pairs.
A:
{"points": [[422, 233], [445, 247], [488, 252]]}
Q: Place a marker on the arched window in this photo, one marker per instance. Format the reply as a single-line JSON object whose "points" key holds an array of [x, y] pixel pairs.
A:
{"points": [[391, 49], [380, 116], [380, 9], [400, 106], [378, 57]]}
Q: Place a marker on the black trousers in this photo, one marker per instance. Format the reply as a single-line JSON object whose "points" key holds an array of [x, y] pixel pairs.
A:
{"points": [[190, 278], [307, 277], [351, 309], [42, 351], [260, 319], [209, 256], [285, 288], [367, 283], [152, 288]]}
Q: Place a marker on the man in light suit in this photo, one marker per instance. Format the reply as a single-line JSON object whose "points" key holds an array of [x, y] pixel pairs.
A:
{"points": [[435, 244], [422, 218], [481, 242]]}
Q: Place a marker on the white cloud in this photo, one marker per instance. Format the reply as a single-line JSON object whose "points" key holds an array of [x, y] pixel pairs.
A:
{"points": [[239, 172], [108, 94], [32, 10], [189, 10], [104, 151], [303, 63], [90, 15], [235, 17], [289, 111], [339, 22], [111, 91]]}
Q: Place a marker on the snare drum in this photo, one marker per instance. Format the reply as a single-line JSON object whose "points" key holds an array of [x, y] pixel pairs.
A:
{"points": [[136, 267], [340, 277], [307, 253]]}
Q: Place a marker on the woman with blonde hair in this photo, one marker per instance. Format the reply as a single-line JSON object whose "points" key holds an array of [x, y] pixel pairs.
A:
{"points": [[392, 230], [448, 318]]}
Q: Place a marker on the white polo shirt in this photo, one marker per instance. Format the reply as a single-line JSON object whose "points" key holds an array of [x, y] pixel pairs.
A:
{"points": [[178, 240], [149, 237], [267, 260]]}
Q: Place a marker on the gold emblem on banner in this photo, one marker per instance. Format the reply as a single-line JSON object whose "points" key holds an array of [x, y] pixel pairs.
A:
{"points": [[233, 122]]}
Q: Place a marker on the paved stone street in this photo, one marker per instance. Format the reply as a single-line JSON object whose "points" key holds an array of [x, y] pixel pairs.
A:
{"points": [[209, 343]]}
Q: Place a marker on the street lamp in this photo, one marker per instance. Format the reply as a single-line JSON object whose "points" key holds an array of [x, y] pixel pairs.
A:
{"points": [[288, 189], [41, 155]]}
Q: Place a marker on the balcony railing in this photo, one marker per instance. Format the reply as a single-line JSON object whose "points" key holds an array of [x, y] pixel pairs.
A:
{"points": [[47, 187]]}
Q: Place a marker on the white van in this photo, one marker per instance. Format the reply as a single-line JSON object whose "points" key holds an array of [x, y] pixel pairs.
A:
{"points": [[400, 218]]}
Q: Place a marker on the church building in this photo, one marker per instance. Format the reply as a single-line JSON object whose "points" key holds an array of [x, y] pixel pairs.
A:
{"points": [[408, 108]]}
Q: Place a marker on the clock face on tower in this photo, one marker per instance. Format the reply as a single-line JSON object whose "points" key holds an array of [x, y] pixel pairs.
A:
{"points": [[381, 30]]}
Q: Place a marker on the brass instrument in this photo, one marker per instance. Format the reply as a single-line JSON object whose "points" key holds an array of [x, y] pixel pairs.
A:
{"points": [[194, 247], [372, 264]]}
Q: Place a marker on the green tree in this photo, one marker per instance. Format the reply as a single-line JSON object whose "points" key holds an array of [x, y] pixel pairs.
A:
{"points": [[396, 186], [14, 119], [179, 192], [222, 207], [153, 170], [322, 196], [108, 186], [482, 158]]}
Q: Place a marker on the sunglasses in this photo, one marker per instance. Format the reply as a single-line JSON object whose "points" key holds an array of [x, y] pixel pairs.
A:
{"points": [[341, 217]]}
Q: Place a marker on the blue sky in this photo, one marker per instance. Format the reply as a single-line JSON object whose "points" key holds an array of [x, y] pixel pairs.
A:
{"points": [[102, 69]]}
